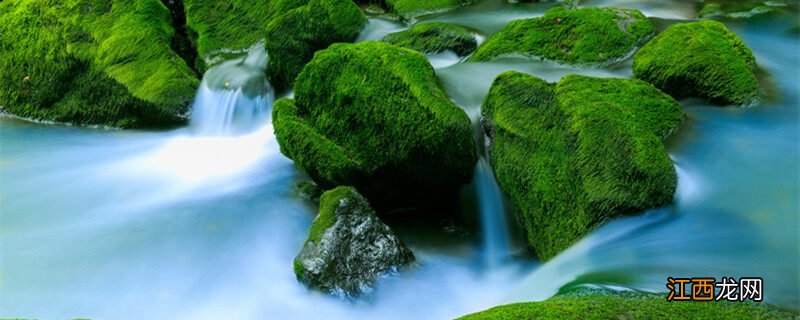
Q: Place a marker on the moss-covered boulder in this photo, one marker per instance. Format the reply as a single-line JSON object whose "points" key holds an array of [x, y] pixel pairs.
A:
{"points": [[700, 59], [293, 37], [604, 304], [410, 9], [586, 36], [220, 28], [348, 247], [292, 29], [98, 62], [737, 9], [573, 154], [434, 37], [373, 115]]}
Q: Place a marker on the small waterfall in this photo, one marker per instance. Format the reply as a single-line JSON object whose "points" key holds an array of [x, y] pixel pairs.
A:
{"points": [[496, 240], [228, 111], [229, 135], [235, 97]]}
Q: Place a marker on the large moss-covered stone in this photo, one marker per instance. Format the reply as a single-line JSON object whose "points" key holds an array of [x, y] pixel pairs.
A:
{"points": [[99, 62], [573, 154], [699, 59], [586, 36], [293, 37], [434, 37], [373, 115], [606, 304], [348, 247]]}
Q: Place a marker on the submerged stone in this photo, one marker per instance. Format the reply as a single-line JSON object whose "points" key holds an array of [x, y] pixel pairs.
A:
{"points": [[573, 154], [738, 9], [373, 116], [586, 36], [434, 37], [700, 59], [348, 247], [110, 63]]}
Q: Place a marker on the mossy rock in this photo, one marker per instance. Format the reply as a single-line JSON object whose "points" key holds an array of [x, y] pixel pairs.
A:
{"points": [[219, 28], [348, 246], [293, 37], [573, 154], [700, 59], [374, 116], [434, 37], [93, 62], [225, 25], [411, 9], [606, 304], [737, 9], [586, 36]]}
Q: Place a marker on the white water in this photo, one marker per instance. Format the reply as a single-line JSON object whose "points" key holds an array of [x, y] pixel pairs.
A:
{"points": [[494, 227], [234, 97]]}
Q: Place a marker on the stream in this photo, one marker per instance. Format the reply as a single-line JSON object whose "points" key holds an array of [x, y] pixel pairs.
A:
{"points": [[201, 222]]}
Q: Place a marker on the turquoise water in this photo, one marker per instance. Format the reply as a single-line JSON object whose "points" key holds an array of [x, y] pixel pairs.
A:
{"points": [[174, 224]]}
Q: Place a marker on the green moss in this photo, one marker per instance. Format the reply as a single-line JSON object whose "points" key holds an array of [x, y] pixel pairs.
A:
{"points": [[587, 36], [328, 204], [573, 154], [699, 59], [103, 62], [374, 116], [410, 9], [293, 37], [434, 37], [326, 218], [627, 305]]}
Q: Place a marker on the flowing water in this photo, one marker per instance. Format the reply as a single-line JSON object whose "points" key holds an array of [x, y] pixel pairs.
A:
{"points": [[201, 223]]}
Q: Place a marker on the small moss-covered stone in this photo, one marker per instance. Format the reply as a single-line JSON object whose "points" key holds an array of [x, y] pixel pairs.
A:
{"points": [[604, 304], [434, 37], [574, 154], [586, 36], [410, 9], [373, 115], [101, 62], [699, 59], [348, 246], [293, 37]]}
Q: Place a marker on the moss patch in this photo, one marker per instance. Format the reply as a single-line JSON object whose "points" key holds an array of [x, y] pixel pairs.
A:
{"points": [[328, 204], [699, 59], [374, 116], [626, 305], [293, 37], [573, 154], [587, 36], [434, 37], [102, 62]]}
